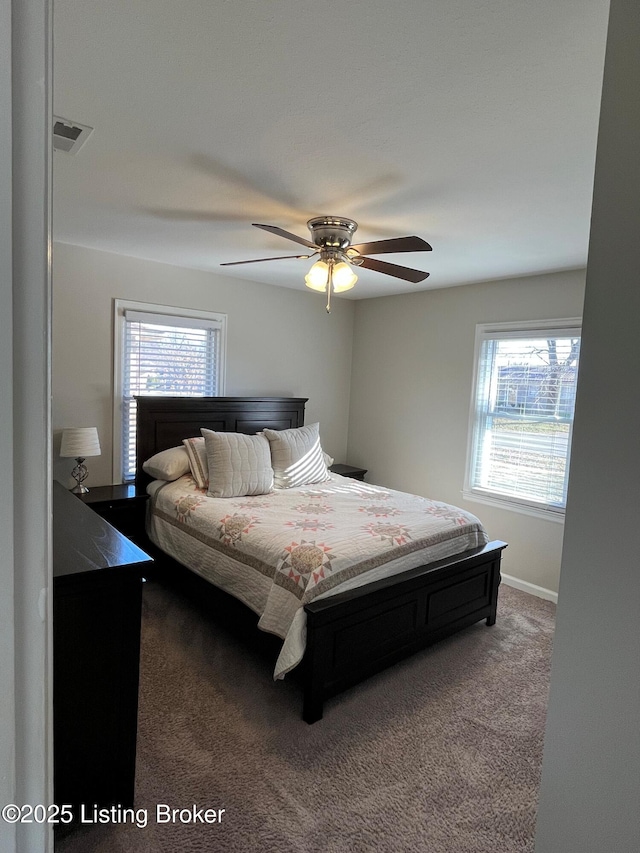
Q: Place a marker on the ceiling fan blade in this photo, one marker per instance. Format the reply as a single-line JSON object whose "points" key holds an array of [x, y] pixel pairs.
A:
{"points": [[287, 234], [393, 269], [396, 244], [259, 260]]}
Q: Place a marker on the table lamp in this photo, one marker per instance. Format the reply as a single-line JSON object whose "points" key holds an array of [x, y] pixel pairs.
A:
{"points": [[80, 443]]}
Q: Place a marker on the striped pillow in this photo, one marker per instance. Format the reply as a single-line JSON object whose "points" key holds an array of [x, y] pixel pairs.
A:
{"points": [[197, 453]]}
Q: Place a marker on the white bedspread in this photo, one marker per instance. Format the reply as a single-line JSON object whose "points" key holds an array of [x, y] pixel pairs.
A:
{"points": [[277, 552]]}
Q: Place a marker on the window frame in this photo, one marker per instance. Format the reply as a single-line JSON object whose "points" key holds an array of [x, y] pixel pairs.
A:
{"points": [[564, 327], [120, 306]]}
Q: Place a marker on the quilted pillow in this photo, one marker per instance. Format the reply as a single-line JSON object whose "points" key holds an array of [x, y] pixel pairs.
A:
{"points": [[239, 464], [168, 464], [296, 456], [197, 454]]}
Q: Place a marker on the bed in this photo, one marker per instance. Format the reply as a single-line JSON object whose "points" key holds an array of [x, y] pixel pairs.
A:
{"points": [[355, 612]]}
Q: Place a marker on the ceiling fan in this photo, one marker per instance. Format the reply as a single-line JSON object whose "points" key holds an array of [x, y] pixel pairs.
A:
{"points": [[331, 239]]}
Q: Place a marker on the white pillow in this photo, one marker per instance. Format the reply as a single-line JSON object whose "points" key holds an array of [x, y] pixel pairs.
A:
{"points": [[168, 464], [197, 454], [296, 456], [239, 464]]}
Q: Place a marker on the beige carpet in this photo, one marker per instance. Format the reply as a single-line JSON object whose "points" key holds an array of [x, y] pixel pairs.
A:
{"points": [[440, 754]]}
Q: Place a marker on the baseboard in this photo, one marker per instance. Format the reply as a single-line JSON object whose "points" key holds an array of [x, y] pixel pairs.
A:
{"points": [[531, 588]]}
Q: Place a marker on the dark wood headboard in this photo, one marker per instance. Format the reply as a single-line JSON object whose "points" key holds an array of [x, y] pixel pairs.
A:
{"points": [[163, 422]]}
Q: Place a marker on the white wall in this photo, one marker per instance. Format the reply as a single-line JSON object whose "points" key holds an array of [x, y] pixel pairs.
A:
{"points": [[411, 390], [280, 342], [590, 793]]}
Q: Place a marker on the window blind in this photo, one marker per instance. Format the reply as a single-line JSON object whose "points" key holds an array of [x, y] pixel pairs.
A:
{"points": [[165, 355], [524, 404]]}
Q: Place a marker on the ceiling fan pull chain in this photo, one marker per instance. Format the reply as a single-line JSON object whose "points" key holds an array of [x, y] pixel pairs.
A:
{"points": [[329, 284]]}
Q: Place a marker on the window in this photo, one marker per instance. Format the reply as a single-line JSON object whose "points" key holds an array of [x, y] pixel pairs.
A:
{"points": [[161, 351], [522, 415]]}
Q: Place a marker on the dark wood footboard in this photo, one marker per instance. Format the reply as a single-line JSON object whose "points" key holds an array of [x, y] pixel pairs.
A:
{"points": [[352, 635]]}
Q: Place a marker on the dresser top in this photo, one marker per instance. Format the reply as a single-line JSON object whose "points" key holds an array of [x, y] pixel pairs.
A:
{"points": [[83, 542]]}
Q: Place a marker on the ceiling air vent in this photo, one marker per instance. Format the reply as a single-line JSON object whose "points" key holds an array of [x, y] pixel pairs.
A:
{"points": [[69, 136]]}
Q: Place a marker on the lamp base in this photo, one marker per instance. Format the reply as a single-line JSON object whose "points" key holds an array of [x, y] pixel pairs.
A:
{"points": [[79, 474], [79, 489]]}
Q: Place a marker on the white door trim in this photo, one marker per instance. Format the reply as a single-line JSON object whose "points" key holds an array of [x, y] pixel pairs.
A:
{"points": [[25, 433]]}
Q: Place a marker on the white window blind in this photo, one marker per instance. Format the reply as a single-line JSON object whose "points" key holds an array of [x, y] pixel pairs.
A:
{"points": [[522, 420], [167, 355]]}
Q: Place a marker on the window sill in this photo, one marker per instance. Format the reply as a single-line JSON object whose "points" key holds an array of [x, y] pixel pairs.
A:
{"points": [[513, 506]]}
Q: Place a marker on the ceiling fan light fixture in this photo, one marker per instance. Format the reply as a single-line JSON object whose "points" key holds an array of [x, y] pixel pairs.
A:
{"points": [[318, 276], [343, 277], [331, 239]]}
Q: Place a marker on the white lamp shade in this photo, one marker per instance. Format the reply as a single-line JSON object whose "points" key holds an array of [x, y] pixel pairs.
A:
{"points": [[318, 276], [82, 441], [343, 277]]}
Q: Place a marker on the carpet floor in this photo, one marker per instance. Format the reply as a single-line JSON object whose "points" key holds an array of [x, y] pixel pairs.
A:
{"points": [[440, 754]]}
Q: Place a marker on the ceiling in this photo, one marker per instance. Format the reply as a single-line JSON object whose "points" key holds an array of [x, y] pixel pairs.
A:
{"points": [[470, 123]]}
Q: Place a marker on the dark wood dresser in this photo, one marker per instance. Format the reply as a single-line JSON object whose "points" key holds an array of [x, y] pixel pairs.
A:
{"points": [[97, 598]]}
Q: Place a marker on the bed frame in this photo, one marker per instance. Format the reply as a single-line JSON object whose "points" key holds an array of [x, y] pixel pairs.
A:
{"points": [[353, 634]]}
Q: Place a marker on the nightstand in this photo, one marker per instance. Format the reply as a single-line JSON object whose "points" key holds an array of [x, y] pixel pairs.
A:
{"points": [[122, 506], [348, 471]]}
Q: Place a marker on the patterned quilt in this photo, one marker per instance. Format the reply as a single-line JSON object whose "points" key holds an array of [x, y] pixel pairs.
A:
{"points": [[276, 552]]}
